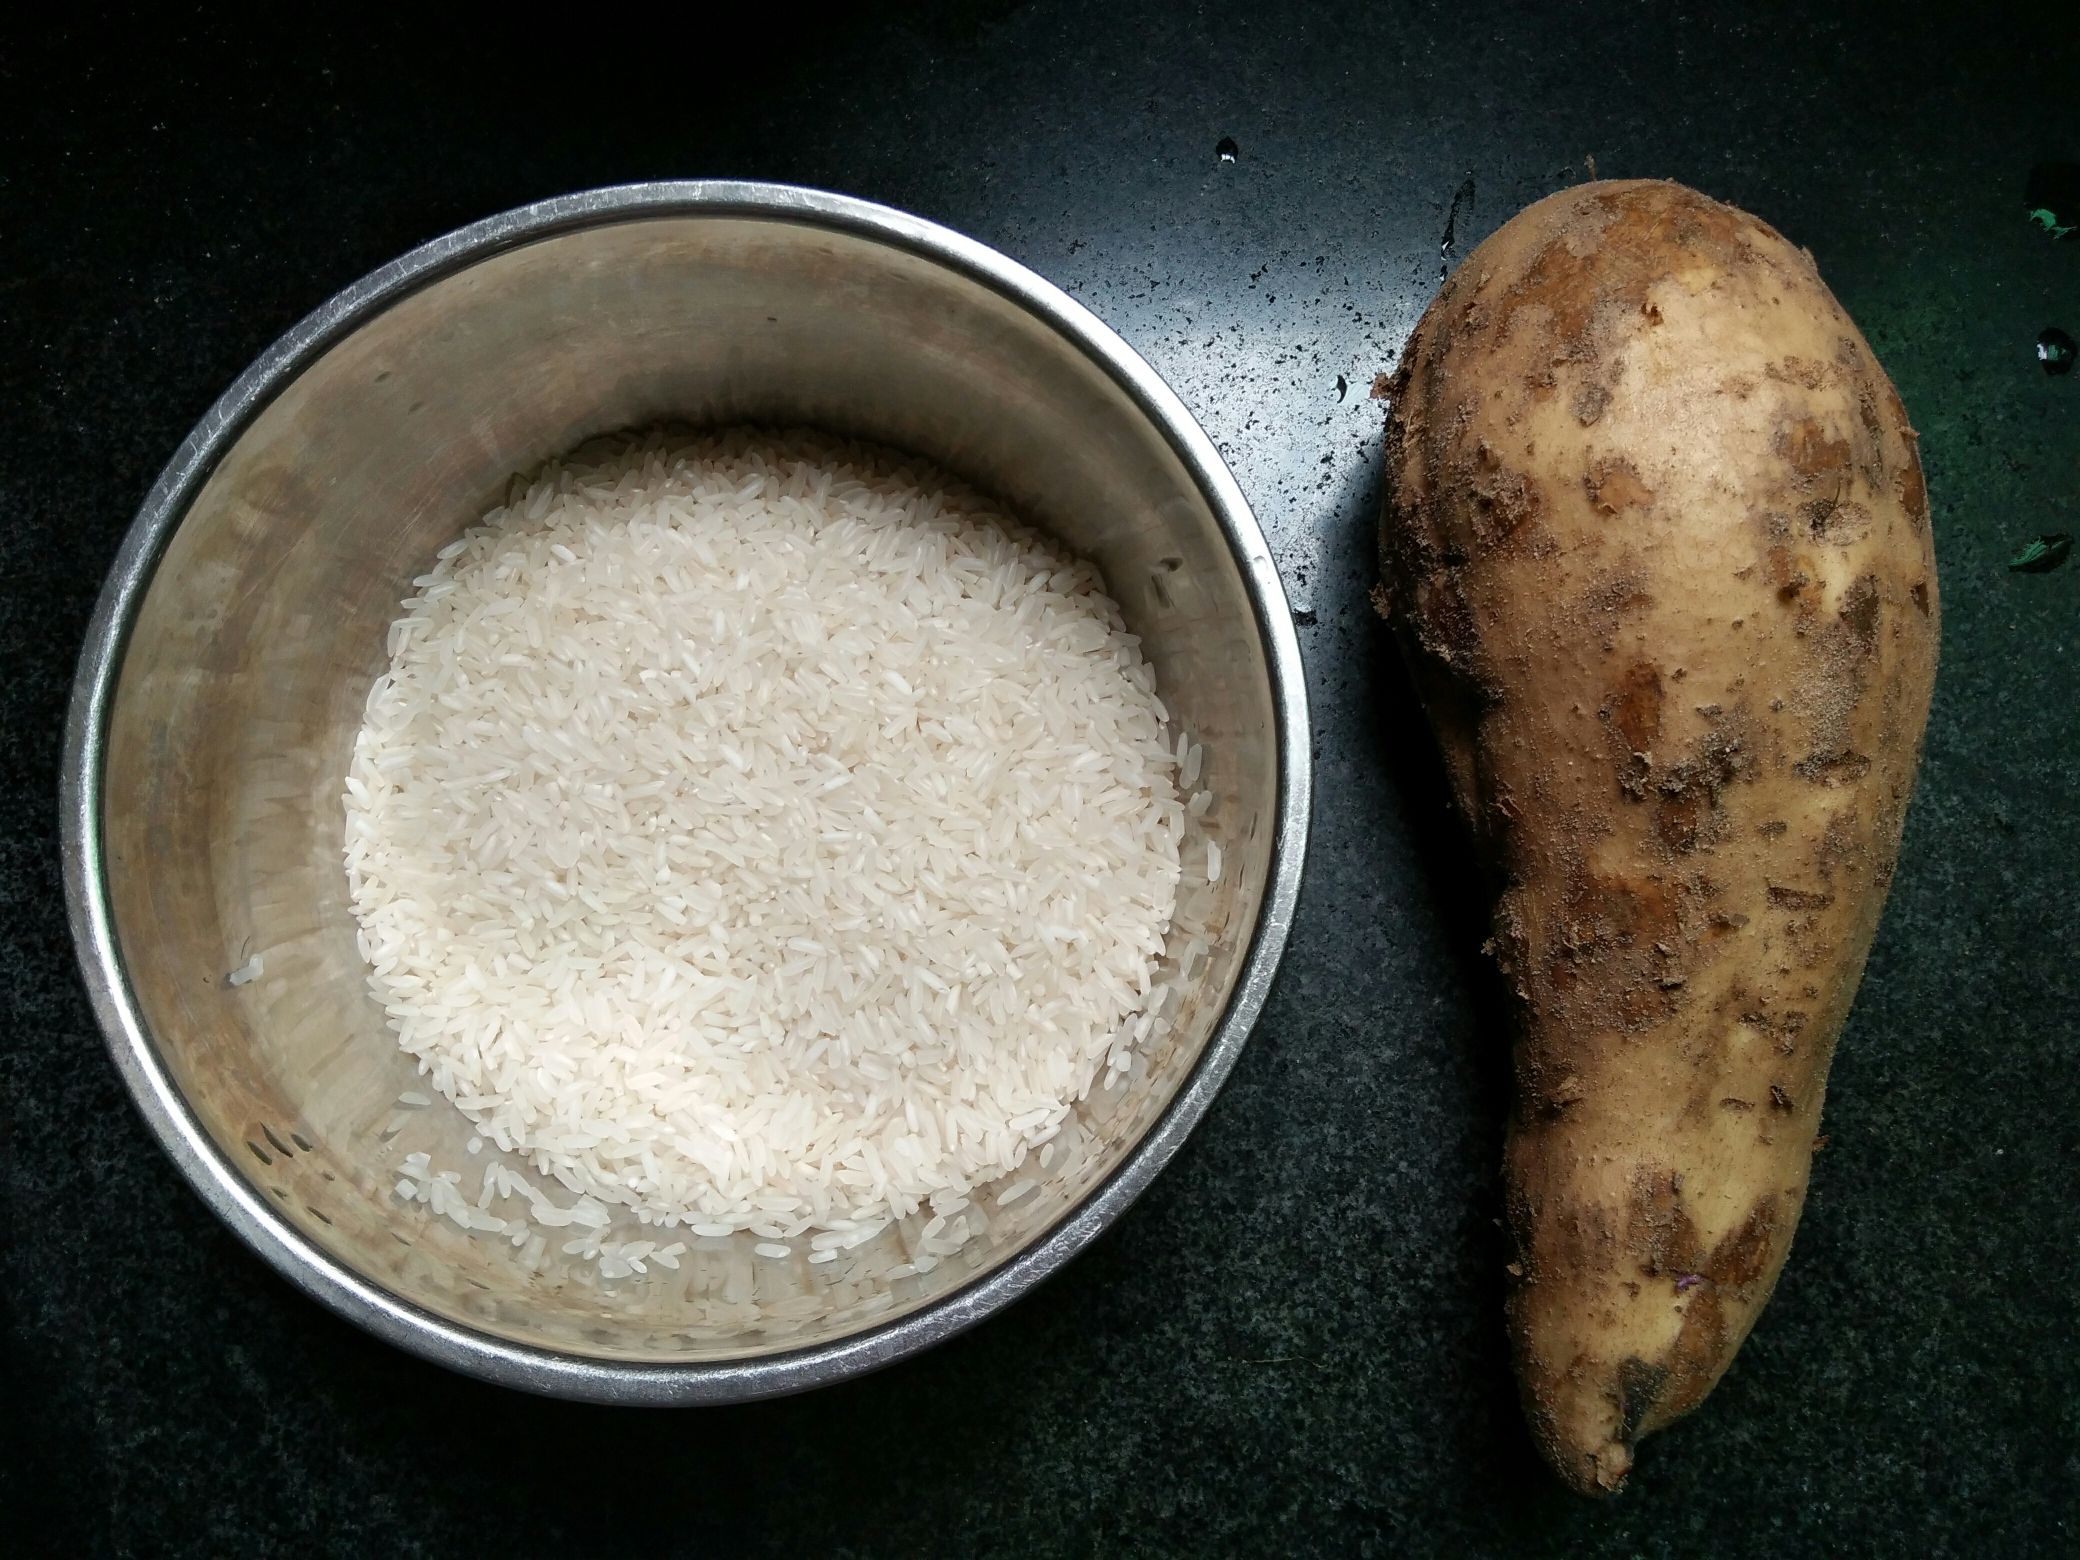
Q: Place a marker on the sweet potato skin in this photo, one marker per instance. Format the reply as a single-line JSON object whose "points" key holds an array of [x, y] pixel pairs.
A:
{"points": [[1656, 547]]}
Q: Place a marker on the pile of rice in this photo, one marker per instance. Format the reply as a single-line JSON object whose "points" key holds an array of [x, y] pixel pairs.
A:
{"points": [[762, 835]]}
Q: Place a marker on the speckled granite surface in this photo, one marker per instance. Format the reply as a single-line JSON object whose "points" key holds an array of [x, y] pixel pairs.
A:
{"points": [[1293, 1344]]}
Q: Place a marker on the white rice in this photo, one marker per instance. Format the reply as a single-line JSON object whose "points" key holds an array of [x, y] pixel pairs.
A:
{"points": [[759, 836]]}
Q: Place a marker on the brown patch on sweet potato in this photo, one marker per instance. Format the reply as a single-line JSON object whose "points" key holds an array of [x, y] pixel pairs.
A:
{"points": [[1867, 411], [1633, 708], [1599, 967], [1640, 1386], [1679, 820], [1837, 524], [1605, 261], [1859, 613], [1783, 572], [1913, 492], [1624, 910], [1794, 370], [1658, 1233], [1743, 1256], [1663, 1240], [1589, 403], [1505, 499], [1614, 485], [1445, 620], [1559, 288], [1687, 810], [1786, 898], [1729, 1268], [1840, 843], [1815, 456], [1907, 481]]}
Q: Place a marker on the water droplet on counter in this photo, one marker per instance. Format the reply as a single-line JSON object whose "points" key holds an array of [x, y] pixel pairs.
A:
{"points": [[2055, 351], [1464, 193], [1226, 149]]}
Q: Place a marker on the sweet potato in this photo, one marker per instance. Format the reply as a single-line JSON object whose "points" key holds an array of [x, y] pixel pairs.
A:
{"points": [[1656, 547]]}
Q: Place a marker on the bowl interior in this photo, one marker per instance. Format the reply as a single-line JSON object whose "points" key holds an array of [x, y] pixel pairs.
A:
{"points": [[243, 677]]}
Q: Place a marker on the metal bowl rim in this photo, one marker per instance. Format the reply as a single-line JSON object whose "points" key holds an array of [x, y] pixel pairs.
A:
{"points": [[456, 1345]]}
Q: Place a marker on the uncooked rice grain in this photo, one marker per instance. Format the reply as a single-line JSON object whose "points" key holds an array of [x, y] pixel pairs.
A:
{"points": [[759, 836]]}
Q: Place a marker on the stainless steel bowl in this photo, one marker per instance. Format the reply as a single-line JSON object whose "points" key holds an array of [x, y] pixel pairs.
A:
{"points": [[233, 647]]}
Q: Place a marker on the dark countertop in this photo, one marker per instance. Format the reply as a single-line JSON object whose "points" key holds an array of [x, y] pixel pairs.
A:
{"points": [[1293, 1343]]}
